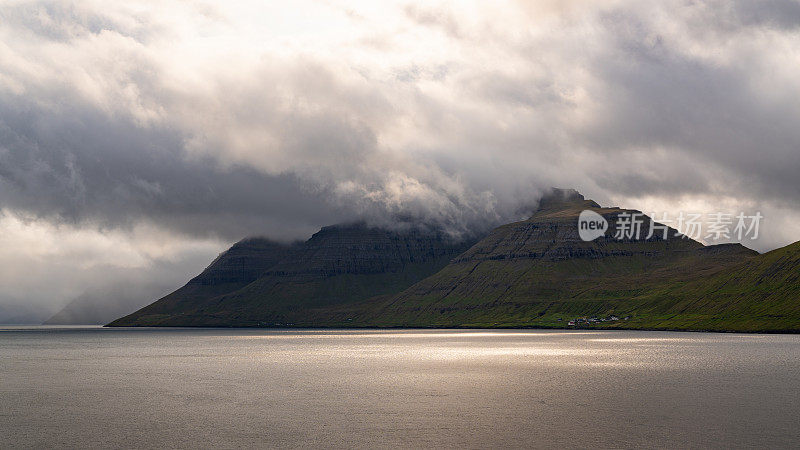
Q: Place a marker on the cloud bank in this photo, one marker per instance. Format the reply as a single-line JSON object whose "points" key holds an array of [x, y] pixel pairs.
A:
{"points": [[210, 122]]}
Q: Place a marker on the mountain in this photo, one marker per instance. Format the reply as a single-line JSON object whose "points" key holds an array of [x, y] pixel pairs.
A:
{"points": [[258, 282], [537, 272], [105, 304]]}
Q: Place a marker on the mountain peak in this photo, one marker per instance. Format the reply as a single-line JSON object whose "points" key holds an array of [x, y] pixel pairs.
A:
{"points": [[557, 199]]}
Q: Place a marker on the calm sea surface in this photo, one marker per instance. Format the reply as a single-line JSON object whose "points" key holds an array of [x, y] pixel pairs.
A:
{"points": [[93, 387]]}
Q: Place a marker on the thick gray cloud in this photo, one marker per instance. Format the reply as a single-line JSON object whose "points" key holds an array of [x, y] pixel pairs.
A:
{"points": [[82, 167], [215, 122]]}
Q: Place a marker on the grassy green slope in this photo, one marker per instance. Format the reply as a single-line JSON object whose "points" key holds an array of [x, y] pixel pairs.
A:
{"points": [[757, 294], [729, 292]]}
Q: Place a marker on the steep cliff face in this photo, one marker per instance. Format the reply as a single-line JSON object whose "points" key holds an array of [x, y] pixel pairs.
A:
{"points": [[551, 234], [544, 258], [358, 249], [258, 282], [243, 263]]}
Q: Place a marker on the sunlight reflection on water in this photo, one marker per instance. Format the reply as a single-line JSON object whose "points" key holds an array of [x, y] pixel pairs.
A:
{"points": [[410, 388]]}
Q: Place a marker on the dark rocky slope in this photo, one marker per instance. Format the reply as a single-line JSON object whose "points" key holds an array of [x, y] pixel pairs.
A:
{"points": [[258, 282]]}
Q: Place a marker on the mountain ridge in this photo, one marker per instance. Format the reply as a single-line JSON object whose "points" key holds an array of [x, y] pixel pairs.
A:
{"points": [[338, 264], [536, 272]]}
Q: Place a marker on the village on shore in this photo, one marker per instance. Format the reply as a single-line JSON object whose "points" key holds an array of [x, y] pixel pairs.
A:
{"points": [[581, 321]]}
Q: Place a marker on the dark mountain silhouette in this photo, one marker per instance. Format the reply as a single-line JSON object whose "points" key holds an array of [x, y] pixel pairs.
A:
{"points": [[258, 282]]}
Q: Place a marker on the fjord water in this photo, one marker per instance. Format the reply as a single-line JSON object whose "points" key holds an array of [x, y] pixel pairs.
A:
{"points": [[94, 387]]}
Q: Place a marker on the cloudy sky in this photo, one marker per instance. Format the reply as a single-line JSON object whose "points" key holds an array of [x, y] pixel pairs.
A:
{"points": [[139, 139]]}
